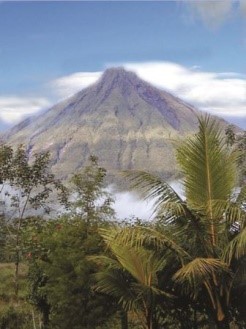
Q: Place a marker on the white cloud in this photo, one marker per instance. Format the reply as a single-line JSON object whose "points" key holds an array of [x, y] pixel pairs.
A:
{"points": [[222, 94], [128, 204], [243, 6], [69, 85], [13, 109], [212, 12], [215, 12], [219, 93]]}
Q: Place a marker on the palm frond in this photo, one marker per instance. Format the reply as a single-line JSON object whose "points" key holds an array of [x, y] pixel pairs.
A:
{"points": [[116, 283], [104, 261], [239, 278], [152, 187], [229, 212], [236, 248], [145, 236], [198, 272], [170, 211], [209, 169], [141, 263]]}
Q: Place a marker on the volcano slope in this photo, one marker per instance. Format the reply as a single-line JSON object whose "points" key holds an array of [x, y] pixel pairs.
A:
{"points": [[124, 121]]}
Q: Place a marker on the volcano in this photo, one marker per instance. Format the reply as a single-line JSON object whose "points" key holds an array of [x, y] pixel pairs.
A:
{"points": [[126, 122]]}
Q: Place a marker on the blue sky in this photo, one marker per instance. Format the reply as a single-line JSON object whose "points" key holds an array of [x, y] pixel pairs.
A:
{"points": [[197, 50]]}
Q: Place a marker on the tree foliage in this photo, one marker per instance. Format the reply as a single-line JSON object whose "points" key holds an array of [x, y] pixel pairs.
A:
{"points": [[25, 183], [184, 270], [90, 200], [60, 271], [202, 237]]}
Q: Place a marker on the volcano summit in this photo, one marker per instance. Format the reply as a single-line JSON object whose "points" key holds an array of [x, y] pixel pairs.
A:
{"points": [[125, 121]]}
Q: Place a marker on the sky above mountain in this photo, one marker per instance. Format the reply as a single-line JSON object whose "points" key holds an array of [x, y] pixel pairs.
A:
{"points": [[195, 49]]}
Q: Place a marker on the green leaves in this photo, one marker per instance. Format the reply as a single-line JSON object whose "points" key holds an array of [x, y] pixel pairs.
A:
{"points": [[236, 249], [30, 179], [209, 169], [130, 273], [31, 185], [206, 231], [199, 272], [91, 202], [61, 272]]}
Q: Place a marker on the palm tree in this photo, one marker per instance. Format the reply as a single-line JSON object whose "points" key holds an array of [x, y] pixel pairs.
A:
{"points": [[202, 237], [129, 274], [206, 231]]}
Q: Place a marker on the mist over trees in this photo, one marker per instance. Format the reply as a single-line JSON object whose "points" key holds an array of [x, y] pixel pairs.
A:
{"points": [[85, 269]]}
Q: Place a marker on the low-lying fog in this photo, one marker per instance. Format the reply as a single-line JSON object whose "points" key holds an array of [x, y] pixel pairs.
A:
{"points": [[126, 205], [129, 204]]}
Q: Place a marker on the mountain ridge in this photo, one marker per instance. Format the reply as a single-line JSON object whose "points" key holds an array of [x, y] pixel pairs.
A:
{"points": [[122, 119]]}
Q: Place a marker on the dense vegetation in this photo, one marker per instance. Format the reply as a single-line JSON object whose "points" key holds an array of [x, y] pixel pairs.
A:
{"points": [[83, 269]]}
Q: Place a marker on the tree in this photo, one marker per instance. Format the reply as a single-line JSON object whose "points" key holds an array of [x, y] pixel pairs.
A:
{"points": [[91, 202], [60, 275], [61, 286], [230, 135], [238, 143], [25, 183], [204, 235], [241, 147], [130, 276]]}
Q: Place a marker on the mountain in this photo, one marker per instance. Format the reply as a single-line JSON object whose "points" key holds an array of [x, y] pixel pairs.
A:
{"points": [[122, 119]]}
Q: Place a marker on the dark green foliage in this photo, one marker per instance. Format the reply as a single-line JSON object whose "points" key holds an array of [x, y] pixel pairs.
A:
{"points": [[14, 314], [14, 317], [199, 253], [230, 135], [60, 275], [185, 271], [3, 239]]}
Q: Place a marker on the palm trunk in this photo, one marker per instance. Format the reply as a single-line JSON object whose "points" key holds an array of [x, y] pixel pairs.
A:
{"points": [[224, 324], [124, 319]]}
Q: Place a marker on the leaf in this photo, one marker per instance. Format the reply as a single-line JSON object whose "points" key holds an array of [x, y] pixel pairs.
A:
{"points": [[209, 169], [236, 248], [198, 272], [153, 188]]}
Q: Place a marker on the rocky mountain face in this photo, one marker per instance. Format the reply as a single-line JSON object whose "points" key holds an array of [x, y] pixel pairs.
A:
{"points": [[123, 120]]}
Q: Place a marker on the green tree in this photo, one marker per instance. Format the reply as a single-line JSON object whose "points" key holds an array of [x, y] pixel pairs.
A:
{"points": [[237, 141], [230, 135], [130, 275], [60, 272], [91, 202], [203, 235], [60, 275], [25, 184], [241, 147]]}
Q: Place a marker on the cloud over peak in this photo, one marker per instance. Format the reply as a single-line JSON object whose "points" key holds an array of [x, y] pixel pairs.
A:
{"points": [[69, 85], [220, 93]]}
